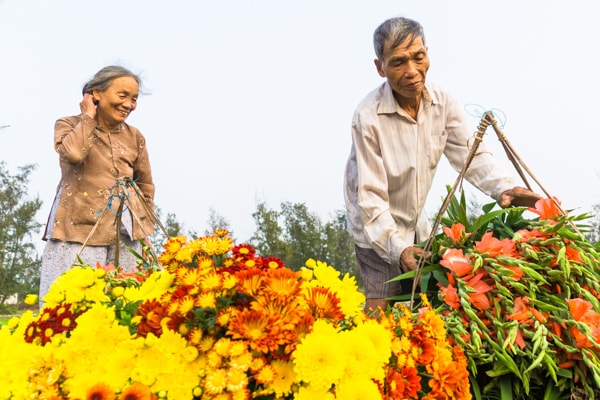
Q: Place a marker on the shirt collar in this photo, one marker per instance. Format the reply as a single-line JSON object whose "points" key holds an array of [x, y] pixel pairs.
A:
{"points": [[388, 104]]}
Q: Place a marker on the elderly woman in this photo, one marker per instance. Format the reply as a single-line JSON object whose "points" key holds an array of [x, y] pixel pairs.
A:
{"points": [[96, 208]]}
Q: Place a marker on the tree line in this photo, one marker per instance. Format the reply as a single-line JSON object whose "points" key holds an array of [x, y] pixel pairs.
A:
{"points": [[291, 232]]}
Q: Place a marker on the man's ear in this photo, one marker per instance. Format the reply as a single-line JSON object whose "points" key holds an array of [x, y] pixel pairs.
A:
{"points": [[379, 67]]}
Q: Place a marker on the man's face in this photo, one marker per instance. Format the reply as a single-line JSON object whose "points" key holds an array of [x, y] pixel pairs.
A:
{"points": [[405, 67]]}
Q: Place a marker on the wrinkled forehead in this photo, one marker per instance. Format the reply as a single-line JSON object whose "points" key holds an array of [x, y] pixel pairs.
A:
{"points": [[125, 83], [406, 43]]}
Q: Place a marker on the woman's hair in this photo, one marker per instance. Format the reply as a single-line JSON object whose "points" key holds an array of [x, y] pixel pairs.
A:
{"points": [[396, 31], [106, 75]]}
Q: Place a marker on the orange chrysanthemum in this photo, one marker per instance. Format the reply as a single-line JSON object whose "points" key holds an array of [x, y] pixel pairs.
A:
{"points": [[100, 391], [136, 391], [324, 304], [253, 326], [283, 283]]}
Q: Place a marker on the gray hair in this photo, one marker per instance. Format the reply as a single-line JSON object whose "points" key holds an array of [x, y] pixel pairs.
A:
{"points": [[396, 30], [106, 75]]}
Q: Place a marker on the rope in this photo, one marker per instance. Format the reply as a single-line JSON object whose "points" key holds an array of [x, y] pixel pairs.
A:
{"points": [[483, 125], [487, 119], [120, 192]]}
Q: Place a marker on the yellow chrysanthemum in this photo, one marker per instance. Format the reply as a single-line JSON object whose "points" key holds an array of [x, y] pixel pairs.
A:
{"points": [[229, 281], [184, 255], [222, 346], [311, 393], [31, 299], [207, 300], [204, 262], [153, 287], [237, 349], [364, 359], [378, 336], [207, 343], [214, 359], [195, 336], [215, 381], [284, 378], [320, 359], [357, 389], [306, 274], [236, 379], [210, 281], [241, 362], [190, 277], [173, 244], [266, 375], [211, 245], [186, 305], [225, 245]]}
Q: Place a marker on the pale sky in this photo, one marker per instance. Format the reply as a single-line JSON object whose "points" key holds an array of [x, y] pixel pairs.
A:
{"points": [[252, 100]]}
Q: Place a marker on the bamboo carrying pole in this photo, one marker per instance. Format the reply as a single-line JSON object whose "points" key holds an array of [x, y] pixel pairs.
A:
{"points": [[121, 191], [486, 120]]}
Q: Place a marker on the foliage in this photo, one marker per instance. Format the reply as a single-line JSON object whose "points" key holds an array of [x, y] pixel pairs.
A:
{"points": [[521, 296], [217, 321], [215, 222], [19, 263], [296, 234], [172, 226], [593, 233]]}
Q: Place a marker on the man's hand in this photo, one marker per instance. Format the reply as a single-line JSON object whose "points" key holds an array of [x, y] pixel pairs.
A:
{"points": [[409, 259], [518, 196]]}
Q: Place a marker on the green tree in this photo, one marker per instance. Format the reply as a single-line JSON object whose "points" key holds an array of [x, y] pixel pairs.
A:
{"points": [[19, 261], [296, 234], [268, 238], [217, 221], [171, 225], [593, 235], [339, 246]]}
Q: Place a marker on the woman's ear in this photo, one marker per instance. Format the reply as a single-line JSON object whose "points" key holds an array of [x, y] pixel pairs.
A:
{"points": [[95, 96]]}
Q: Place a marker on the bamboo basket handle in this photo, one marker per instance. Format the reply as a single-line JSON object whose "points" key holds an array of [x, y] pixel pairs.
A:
{"points": [[486, 120]]}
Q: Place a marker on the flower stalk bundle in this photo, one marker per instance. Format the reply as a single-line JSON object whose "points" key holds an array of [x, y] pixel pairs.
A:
{"points": [[213, 320], [521, 297]]}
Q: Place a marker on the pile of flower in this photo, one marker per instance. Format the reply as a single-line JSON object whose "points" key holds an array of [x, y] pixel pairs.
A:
{"points": [[521, 297], [214, 320]]}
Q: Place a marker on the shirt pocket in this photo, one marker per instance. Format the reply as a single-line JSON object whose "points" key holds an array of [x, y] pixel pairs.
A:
{"points": [[437, 144]]}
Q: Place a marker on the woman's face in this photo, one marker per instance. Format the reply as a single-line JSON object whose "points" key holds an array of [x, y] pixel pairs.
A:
{"points": [[116, 103]]}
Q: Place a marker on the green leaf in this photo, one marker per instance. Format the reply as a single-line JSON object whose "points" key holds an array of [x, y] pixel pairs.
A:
{"points": [[506, 391]]}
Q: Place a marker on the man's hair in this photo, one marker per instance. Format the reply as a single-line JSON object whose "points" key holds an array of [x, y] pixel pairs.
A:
{"points": [[395, 31]]}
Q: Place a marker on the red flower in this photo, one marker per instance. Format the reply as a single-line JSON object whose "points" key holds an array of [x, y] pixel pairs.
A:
{"points": [[479, 299], [582, 311], [450, 296], [493, 247], [404, 384], [547, 208], [457, 262], [456, 233]]}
